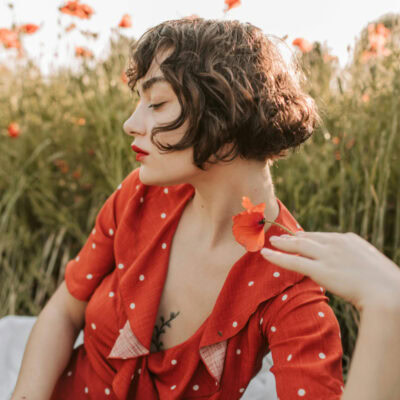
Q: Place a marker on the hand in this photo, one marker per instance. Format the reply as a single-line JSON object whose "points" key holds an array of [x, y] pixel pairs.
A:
{"points": [[344, 263]]}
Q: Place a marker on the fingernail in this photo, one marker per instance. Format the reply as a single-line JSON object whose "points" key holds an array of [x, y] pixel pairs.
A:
{"points": [[267, 252], [274, 238]]}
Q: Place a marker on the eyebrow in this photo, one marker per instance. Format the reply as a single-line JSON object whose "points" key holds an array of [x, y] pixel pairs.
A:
{"points": [[150, 82]]}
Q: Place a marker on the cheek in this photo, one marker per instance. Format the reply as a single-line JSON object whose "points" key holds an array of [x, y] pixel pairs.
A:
{"points": [[179, 163]]}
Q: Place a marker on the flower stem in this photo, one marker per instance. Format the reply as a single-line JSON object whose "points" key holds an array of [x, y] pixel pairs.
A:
{"points": [[281, 226]]}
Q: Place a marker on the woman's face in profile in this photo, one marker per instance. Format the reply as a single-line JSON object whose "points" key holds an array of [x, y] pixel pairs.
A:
{"points": [[159, 106]]}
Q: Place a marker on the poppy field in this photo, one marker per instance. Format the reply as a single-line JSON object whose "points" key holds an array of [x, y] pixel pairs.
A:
{"points": [[63, 152]]}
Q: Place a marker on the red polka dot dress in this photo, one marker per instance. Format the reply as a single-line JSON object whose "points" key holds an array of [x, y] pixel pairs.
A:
{"points": [[121, 271]]}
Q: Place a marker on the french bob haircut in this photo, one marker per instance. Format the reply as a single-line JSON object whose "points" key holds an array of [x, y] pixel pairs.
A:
{"points": [[233, 87]]}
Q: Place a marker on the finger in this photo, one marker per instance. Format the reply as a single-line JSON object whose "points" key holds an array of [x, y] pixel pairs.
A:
{"points": [[298, 244], [320, 237], [291, 262]]}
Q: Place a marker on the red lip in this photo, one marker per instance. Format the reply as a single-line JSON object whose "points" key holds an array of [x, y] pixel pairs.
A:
{"points": [[140, 156], [139, 150]]}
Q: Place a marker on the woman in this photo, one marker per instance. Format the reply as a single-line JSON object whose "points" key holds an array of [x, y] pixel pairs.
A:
{"points": [[352, 268], [175, 302]]}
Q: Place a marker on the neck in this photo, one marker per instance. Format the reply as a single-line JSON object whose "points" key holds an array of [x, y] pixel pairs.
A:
{"points": [[218, 197]]}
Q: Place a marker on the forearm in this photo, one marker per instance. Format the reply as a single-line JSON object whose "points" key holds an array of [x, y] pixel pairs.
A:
{"points": [[46, 355], [375, 368]]}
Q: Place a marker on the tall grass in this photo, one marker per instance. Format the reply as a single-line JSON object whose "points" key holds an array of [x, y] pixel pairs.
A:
{"points": [[72, 154]]}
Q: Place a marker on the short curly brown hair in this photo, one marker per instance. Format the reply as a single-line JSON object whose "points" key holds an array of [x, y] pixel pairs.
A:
{"points": [[233, 86]]}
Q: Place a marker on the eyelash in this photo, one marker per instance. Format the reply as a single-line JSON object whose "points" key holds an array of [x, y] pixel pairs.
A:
{"points": [[156, 106]]}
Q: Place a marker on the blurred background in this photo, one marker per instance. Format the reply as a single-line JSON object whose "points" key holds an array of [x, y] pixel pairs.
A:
{"points": [[64, 98]]}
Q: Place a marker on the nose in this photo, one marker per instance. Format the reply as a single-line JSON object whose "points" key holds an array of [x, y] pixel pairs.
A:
{"points": [[134, 125]]}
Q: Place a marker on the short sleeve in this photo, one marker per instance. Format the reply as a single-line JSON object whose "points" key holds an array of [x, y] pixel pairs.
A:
{"points": [[304, 339], [96, 258]]}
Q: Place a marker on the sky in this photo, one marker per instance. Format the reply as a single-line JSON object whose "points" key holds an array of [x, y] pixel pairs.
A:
{"points": [[338, 23]]}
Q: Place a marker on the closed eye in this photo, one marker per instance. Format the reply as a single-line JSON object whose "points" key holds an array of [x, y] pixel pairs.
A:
{"points": [[155, 106]]}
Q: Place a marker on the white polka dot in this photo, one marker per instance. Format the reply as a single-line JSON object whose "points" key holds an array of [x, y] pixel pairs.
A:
{"points": [[235, 324], [322, 289], [251, 283], [86, 389], [284, 297], [321, 314], [166, 190], [133, 375], [141, 277], [69, 373], [111, 232], [93, 325], [111, 294], [273, 329], [93, 245], [297, 224], [120, 331], [139, 371], [119, 186], [89, 276], [196, 387], [77, 258], [173, 362], [164, 245], [137, 187], [216, 383], [261, 321], [163, 215], [276, 274], [173, 387], [321, 355], [241, 390], [107, 391], [94, 231], [340, 335], [301, 392], [341, 387], [132, 305], [289, 357], [141, 199], [238, 351], [120, 266]]}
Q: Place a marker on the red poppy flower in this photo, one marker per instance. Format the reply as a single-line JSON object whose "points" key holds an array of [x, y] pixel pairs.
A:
{"points": [[231, 4], [82, 52], [13, 130], [377, 38], [126, 21], [382, 30], [9, 38], [365, 98], [248, 226], [77, 174], [303, 45], [29, 28], [62, 165], [124, 78], [76, 9]]}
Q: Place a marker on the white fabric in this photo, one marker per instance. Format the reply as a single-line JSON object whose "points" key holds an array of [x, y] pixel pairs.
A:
{"points": [[14, 333]]}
